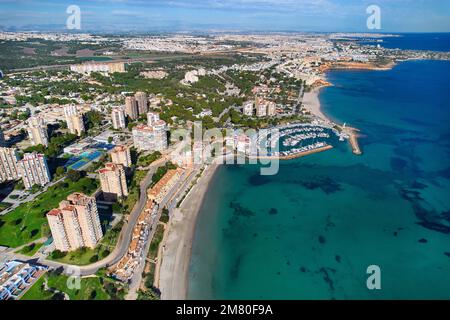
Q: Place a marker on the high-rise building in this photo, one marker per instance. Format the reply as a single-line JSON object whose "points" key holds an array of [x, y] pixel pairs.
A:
{"points": [[33, 169], [37, 131], [142, 102], [9, 169], [113, 181], [261, 107], [271, 108], [121, 155], [118, 118], [74, 120], [131, 108], [247, 108], [75, 223], [150, 138]]}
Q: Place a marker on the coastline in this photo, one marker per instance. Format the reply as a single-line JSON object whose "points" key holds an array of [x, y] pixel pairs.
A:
{"points": [[176, 253], [176, 249]]}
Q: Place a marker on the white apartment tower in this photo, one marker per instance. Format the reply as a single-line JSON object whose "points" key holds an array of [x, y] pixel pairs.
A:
{"points": [[75, 223], [9, 169], [113, 181], [37, 131], [33, 169], [118, 118], [121, 155], [74, 120]]}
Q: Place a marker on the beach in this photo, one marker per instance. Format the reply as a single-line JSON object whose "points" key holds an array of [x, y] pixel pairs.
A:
{"points": [[311, 102], [176, 253]]}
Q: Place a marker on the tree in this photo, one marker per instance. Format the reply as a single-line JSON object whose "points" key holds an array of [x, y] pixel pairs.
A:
{"points": [[60, 171], [73, 175]]}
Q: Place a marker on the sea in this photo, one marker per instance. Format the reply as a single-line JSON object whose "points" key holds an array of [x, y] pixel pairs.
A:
{"points": [[318, 228]]}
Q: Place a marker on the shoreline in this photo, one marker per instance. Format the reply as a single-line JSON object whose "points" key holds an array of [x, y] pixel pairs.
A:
{"points": [[177, 249]]}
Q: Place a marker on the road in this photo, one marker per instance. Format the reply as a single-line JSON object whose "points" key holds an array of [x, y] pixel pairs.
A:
{"points": [[169, 201], [122, 243]]}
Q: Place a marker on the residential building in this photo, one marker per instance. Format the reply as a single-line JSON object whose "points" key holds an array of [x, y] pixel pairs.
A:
{"points": [[163, 186], [74, 120], [261, 110], [271, 108], [16, 277], [247, 108], [106, 67], [150, 138], [113, 181], [142, 102], [118, 118], [33, 169], [131, 108], [121, 155], [9, 169], [75, 224], [37, 131]]}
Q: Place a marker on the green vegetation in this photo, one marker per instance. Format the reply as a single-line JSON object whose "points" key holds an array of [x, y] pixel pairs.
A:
{"points": [[28, 222], [157, 238], [93, 288], [56, 145], [30, 249], [134, 191], [164, 215], [146, 160]]}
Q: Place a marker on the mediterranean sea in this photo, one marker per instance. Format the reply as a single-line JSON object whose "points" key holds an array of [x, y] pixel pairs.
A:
{"points": [[311, 231]]}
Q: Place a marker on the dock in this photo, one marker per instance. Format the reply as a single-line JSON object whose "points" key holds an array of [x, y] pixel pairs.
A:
{"points": [[295, 155]]}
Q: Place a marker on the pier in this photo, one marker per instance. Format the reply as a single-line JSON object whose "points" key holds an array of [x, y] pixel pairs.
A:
{"points": [[294, 155]]}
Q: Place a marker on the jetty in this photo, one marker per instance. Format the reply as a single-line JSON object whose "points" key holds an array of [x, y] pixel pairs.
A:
{"points": [[294, 155]]}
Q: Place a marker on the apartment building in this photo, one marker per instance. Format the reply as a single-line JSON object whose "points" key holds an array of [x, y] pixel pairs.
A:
{"points": [[113, 181], [150, 138], [131, 108], [9, 169], [118, 118], [75, 223], [247, 108], [33, 169], [163, 186], [37, 131], [121, 155], [142, 102], [74, 120]]}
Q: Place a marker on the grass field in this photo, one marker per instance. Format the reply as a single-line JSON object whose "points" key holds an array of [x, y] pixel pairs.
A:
{"points": [[31, 249], [28, 222], [94, 288]]}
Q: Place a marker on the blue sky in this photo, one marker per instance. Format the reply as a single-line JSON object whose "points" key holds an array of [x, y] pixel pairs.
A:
{"points": [[239, 15]]}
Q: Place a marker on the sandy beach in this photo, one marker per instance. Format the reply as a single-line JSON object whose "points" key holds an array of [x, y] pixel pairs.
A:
{"points": [[311, 102], [176, 256]]}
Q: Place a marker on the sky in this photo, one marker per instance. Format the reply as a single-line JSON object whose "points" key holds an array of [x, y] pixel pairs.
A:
{"points": [[227, 15]]}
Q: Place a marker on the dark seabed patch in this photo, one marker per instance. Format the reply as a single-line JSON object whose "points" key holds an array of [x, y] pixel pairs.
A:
{"points": [[322, 239], [234, 272], [258, 180], [447, 254], [338, 258], [273, 211], [326, 276], [398, 164], [241, 211], [326, 184], [423, 240]]}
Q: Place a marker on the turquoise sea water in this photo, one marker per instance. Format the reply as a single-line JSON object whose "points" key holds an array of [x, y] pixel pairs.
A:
{"points": [[311, 231]]}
